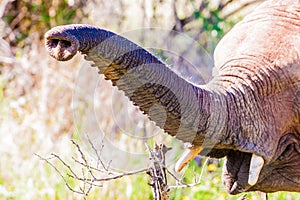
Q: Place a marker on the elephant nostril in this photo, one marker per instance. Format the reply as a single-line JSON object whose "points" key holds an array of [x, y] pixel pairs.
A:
{"points": [[53, 43], [65, 43]]}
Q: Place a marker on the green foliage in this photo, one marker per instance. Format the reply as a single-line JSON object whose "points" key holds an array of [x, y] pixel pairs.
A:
{"points": [[29, 17], [208, 23], [141, 188]]}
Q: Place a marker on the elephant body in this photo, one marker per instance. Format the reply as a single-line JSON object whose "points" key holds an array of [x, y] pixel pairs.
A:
{"points": [[259, 59], [249, 112]]}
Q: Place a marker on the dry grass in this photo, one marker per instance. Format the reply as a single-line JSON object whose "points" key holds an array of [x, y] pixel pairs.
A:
{"points": [[35, 118], [40, 114]]}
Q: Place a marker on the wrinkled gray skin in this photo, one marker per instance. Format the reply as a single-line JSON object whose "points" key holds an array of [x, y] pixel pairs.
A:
{"points": [[252, 105]]}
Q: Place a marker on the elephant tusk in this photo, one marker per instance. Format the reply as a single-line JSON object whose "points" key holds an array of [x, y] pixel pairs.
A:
{"points": [[188, 155], [256, 165]]}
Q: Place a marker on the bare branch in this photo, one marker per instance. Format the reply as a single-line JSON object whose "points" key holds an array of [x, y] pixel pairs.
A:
{"points": [[185, 185], [57, 170], [91, 167], [87, 177], [87, 165], [245, 5], [180, 23], [64, 163], [157, 172], [98, 153], [121, 175], [223, 5]]}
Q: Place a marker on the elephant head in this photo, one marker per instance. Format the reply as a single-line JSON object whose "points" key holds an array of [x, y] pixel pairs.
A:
{"points": [[250, 110]]}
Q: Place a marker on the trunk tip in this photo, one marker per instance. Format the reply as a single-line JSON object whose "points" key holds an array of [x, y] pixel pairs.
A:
{"points": [[60, 44]]}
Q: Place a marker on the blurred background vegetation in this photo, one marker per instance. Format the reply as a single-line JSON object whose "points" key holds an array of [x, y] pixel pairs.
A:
{"points": [[36, 92]]}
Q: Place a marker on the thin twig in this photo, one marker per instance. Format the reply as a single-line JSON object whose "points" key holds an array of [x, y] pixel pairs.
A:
{"points": [[64, 163], [98, 153], [87, 165], [65, 181], [91, 167], [112, 177]]}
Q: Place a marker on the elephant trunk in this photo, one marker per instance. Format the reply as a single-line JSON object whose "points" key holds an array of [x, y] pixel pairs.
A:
{"points": [[182, 109]]}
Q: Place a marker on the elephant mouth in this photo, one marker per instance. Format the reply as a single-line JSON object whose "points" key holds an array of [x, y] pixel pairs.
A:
{"points": [[281, 173], [237, 169], [236, 172], [246, 171], [241, 170]]}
